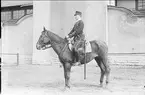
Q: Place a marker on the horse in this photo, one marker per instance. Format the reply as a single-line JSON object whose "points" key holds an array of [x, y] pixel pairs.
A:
{"points": [[60, 45]]}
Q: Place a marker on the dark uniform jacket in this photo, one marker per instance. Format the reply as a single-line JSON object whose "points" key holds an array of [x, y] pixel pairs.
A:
{"points": [[77, 31]]}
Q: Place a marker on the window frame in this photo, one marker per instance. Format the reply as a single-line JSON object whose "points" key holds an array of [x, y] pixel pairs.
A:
{"points": [[137, 4], [11, 9], [109, 3]]}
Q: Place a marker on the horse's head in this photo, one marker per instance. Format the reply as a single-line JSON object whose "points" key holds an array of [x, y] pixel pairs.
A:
{"points": [[44, 41]]}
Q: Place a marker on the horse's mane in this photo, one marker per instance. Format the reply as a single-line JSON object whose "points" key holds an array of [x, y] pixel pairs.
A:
{"points": [[55, 37]]}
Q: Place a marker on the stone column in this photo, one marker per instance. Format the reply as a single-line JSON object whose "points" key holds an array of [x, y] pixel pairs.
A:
{"points": [[95, 20], [41, 18]]}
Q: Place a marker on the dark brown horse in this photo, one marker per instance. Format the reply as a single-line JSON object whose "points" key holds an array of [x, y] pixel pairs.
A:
{"points": [[60, 46]]}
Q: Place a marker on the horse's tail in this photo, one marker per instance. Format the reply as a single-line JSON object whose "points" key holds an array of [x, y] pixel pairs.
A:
{"points": [[103, 52]]}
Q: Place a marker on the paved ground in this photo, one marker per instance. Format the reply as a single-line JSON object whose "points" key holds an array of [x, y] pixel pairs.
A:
{"points": [[49, 80]]}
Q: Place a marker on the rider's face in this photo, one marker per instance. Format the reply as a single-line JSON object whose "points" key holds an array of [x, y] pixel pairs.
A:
{"points": [[77, 17]]}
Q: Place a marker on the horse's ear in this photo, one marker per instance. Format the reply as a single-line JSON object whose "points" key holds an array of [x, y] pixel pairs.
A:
{"points": [[44, 28]]}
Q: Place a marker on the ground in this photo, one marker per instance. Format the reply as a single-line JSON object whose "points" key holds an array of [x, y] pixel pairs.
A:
{"points": [[49, 80]]}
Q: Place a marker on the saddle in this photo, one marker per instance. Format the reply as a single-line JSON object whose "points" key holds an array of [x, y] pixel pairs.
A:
{"points": [[86, 46], [78, 49]]}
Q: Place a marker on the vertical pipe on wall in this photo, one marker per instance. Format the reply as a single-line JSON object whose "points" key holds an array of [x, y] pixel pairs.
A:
{"points": [[106, 24], [17, 58], [12, 14], [136, 4], [85, 61], [115, 2], [142, 3]]}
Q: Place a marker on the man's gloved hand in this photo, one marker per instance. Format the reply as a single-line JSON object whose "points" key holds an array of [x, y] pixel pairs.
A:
{"points": [[67, 37]]}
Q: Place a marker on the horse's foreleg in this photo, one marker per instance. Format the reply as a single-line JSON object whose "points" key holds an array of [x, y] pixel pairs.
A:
{"points": [[67, 69]]}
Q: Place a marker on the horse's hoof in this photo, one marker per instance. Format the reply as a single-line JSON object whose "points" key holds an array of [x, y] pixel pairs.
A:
{"points": [[66, 89]]}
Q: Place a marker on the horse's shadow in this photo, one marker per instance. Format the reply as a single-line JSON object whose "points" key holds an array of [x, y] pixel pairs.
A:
{"points": [[73, 85], [85, 85], [52, 85], [59, 86]]}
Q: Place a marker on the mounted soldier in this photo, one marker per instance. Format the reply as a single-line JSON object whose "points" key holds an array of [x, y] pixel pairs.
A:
{"points": [[77, 35], [99, 52]]}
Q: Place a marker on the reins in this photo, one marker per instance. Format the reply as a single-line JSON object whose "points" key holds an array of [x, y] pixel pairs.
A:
{"points": [[57, 43]]}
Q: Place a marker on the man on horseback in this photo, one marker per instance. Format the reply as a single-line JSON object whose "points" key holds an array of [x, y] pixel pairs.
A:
{"points": [[77, 34]]}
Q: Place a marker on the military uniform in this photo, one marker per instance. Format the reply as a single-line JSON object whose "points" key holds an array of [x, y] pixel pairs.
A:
{"points": [[77, 31]]}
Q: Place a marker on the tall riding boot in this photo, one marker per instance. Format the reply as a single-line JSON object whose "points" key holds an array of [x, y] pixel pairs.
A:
{"points": [[77, 61]]}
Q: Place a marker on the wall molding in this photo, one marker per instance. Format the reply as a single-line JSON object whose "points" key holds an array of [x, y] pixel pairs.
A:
{"points": [[16, 22], [132, 13]]}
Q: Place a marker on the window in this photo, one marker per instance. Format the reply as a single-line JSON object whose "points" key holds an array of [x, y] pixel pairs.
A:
{"points": [[29, 11], [140, 4], [5, 15], [112, 2], [15, 12], [18, 14]]}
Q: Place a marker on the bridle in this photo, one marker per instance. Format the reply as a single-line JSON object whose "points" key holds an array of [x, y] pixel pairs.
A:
{"points": [[46, 46]]}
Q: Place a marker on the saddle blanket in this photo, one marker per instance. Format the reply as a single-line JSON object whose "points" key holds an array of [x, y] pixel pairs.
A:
{"points": [[88, 47]]}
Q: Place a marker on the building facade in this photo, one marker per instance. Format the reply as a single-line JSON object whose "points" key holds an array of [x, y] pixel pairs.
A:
{"points": [[113, 24]]}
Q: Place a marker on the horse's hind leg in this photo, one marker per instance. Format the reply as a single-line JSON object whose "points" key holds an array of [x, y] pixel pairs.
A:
{"points": [[102, 68], [107, 69]]}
